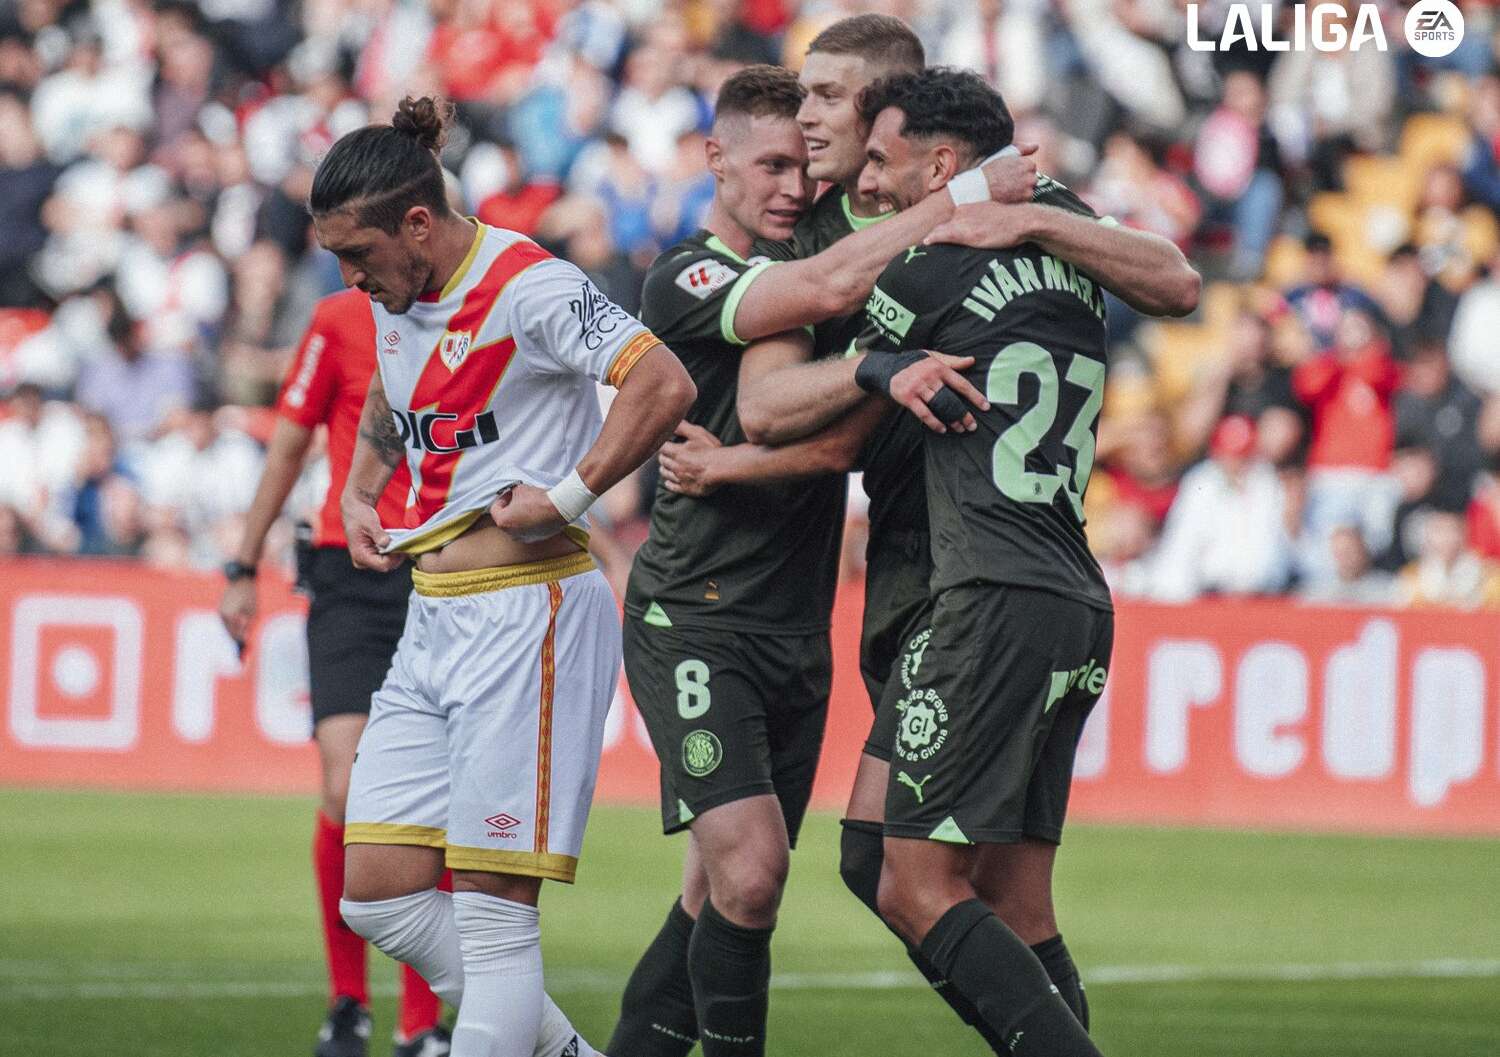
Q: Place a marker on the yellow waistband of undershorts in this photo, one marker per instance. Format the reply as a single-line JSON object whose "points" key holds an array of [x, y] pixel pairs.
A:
{"points": [[499, 577]]}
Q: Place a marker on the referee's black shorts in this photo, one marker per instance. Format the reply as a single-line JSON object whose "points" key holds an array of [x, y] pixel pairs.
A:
{"points": [[353, 626]]}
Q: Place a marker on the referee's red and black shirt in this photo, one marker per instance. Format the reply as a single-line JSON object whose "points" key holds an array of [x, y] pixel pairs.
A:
{"points": [[326, 385]]}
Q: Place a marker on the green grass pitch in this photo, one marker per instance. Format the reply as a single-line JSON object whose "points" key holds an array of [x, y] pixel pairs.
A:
{"points": [[172, 926]]}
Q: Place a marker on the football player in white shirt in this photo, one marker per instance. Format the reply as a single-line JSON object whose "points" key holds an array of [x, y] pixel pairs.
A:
{"points": [[483, 743]]}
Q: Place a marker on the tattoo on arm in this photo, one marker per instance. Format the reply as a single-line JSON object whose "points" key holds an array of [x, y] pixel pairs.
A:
{"points": [[378, 427]]}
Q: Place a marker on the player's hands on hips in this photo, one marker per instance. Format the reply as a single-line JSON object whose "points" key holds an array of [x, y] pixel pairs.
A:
{"points": [[366, 537], [237, 609], [687, 461], [1012, 178], [524, 512], [986, 225], [915, 388]]}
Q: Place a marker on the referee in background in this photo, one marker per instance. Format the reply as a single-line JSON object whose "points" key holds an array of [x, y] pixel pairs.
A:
{"points": [[353, 625]]}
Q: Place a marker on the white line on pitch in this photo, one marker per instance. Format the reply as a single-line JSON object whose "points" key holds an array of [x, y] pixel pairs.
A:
{"points": [[15, 986]]}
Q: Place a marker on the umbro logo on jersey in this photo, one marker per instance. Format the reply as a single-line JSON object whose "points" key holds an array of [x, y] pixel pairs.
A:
{"points": [[702, 278], [454, 348], [501, 825], [392, 339]]}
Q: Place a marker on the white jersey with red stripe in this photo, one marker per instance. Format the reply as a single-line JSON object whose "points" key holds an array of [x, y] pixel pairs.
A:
{"points": [[493, 382]]}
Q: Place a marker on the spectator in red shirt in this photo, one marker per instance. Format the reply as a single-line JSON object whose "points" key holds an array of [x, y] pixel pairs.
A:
{"points": [[486, 51], [1145, 471], [1349, 392], [520, 202]]}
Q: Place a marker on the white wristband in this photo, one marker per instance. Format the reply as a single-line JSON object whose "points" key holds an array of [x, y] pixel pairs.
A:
{"points": [[571, 497], [970, 186]]}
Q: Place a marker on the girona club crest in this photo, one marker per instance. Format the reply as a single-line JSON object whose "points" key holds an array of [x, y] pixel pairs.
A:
{"points": [[454, 348]]}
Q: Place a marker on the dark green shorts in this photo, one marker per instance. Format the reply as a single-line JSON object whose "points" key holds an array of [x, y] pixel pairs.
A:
{"points": [[999, 688], [731, 715], [898, 568]]}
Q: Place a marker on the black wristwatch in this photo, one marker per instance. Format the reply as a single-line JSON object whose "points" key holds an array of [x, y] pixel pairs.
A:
{"points": [[238, 570]]}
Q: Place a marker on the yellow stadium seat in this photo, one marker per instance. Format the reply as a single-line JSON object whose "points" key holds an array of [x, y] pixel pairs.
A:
{"points": [[1283, 262], [1428, 140], [1177, 353], [1220, 303], [1383, 180]]}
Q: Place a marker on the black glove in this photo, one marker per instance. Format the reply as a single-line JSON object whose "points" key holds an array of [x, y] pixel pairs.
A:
{"points": [[876, 371]]}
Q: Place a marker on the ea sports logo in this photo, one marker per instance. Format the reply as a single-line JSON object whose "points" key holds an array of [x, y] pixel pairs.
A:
{"points": [[1434, 28]]}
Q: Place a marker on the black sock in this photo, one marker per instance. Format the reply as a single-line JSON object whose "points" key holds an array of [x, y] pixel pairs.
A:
{"points": [[991, 967], [656, 1012], [861, 852], [730, 967], [1054, 956]]}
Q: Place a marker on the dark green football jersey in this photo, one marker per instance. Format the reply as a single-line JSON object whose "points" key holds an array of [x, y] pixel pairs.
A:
{"points": [[1005, 503], [748, 557], [893, 456], [829, 220]]}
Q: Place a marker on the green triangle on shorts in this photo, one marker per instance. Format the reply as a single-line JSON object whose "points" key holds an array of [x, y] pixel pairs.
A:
{"points": [[949, 833], [684, 813], [656, 616]]}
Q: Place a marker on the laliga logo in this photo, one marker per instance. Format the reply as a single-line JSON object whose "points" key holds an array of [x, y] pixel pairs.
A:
{"points": [[1326, 22], [1434, 28]]}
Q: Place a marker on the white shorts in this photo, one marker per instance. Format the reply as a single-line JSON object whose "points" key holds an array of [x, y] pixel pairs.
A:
{"points": [[485, 738]]}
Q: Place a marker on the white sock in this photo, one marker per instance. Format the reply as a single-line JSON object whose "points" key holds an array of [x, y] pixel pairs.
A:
{"points": [[501, 1012], [417, 929], [557, 1034]]}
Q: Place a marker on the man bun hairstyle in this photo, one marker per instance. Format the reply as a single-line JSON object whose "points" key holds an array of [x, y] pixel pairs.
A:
{"points": [[424, 120], [759, 91], [381, 171], [943, 102], [881, 40]]}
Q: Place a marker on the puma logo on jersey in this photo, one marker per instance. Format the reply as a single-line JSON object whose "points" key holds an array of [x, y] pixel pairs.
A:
{"points": [[910, 783], [426, 430], [702, 278]]}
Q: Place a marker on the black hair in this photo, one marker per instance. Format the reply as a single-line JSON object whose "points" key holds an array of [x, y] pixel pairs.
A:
{"points": [[881, 40], [760, 91], [943, 102], [382, 171]]}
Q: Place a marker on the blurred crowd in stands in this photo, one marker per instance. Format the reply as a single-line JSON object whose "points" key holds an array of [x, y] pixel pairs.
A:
{"points": [[1327, 425]]}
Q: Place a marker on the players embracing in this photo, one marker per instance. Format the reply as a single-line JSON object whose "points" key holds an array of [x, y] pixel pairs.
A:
{"points": [[723, 591], [816, 411]]}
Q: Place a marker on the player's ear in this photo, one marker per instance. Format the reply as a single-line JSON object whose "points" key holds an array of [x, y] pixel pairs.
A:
{"points": [[944, 166], [713, 155], [418, 222]]}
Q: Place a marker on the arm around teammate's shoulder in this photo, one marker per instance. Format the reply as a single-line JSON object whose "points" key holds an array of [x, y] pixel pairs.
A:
{"points": [[1149, 273], [837, 281]]}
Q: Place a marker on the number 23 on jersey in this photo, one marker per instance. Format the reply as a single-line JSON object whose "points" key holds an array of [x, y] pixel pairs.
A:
{"points": [[1031, 430]]}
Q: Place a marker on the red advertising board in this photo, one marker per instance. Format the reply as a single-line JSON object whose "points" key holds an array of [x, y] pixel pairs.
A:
{"points": [[1247, 714]]}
